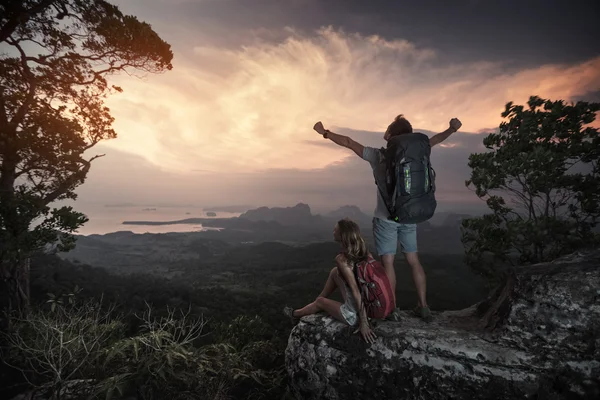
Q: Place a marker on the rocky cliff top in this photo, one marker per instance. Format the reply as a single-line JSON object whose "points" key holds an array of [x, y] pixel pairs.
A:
{"points": [[536, 336]]}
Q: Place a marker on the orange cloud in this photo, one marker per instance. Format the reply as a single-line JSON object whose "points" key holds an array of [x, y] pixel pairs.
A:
{"points": [[253, 108]]}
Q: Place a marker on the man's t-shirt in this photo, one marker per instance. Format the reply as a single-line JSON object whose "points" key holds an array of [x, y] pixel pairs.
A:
{"points": [[375, 158]]}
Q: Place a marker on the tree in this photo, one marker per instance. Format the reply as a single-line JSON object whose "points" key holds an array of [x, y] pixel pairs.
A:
{"points": [[52, 91], [544, 161]]}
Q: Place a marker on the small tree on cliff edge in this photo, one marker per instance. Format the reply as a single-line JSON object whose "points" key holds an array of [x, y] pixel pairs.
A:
{"points": [[545, 161], [53, 67]]}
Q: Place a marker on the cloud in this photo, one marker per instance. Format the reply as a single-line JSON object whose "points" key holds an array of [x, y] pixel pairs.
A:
{"points": [[253, 108]]}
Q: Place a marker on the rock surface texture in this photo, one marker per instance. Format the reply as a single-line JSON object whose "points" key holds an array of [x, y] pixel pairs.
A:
{"points": [[536, 336]]}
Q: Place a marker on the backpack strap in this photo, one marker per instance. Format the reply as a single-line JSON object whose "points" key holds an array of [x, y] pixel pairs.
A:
{"points": [[363, 287], [366, 287], [427, 172], [389, 205]]}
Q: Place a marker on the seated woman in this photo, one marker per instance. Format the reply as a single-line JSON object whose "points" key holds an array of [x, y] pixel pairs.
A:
{"points": [[362, 281]]}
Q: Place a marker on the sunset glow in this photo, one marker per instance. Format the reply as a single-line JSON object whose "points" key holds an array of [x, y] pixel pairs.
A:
{"points": [[260, 102], [232, 122]]}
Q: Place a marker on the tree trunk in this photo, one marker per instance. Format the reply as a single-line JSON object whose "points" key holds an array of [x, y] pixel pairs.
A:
{"points": [[14, 290]]}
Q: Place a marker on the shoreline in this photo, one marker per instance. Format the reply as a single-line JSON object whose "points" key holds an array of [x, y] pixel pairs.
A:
{"points": [[190, 221]]}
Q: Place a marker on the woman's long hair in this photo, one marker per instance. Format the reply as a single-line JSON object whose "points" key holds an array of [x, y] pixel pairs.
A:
{"points": [[355, 248]]}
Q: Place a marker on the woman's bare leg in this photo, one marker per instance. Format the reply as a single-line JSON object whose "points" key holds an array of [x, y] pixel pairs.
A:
{"points": [[322, 303], [330, 284], [332, 307]]}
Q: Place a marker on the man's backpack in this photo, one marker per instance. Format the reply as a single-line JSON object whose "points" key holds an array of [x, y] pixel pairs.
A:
{"points": [[409, 189], [375, 289]]}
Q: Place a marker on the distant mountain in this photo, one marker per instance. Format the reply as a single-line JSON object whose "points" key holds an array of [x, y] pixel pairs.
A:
{"points": [[298, 215], [301, 215], [296, 225], [232, 209]]}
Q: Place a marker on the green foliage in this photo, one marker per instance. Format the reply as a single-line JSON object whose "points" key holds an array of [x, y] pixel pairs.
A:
{"points": [[65, 298], [52, 348], [80, 344], [57, 54], [242, 331], [159, 361], [253, 341], [544, 161], [245, 331], [222, 290]]}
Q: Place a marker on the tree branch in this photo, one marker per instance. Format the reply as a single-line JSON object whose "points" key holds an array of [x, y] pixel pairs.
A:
{"points": [[20, 114], [529, 197], [22, 17], [71, 180], [524, 200], [3, 114], [37, 186]]}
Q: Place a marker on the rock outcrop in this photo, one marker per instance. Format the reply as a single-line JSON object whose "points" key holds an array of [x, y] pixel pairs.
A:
{"points": [[536, 336]]}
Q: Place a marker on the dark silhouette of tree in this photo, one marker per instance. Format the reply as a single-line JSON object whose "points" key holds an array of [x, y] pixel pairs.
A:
{"points": [[545, 162], [56, 57]]}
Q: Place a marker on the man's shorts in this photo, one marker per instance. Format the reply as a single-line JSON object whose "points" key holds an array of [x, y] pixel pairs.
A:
{"points": [[388, 233]]}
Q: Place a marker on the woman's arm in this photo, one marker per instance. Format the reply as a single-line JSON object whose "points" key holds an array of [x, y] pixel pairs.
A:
{"points": [[346, 273]]}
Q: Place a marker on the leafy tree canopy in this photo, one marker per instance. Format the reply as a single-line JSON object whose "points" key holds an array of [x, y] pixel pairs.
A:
{"points": [[541, 180], [55, 60]]}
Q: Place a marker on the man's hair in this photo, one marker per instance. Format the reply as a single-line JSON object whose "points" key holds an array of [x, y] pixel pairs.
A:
{"points": [[399, 126]]}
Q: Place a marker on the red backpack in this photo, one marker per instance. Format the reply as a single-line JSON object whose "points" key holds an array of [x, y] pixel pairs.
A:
{"points": [[375, 289]]}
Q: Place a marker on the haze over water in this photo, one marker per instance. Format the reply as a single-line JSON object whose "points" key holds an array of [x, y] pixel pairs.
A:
{"points": [[104, 219]]}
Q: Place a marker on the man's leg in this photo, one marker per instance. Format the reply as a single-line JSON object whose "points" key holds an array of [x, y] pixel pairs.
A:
{"points": [[418, 275], [386, 242], [407, 235], [387, 260]]}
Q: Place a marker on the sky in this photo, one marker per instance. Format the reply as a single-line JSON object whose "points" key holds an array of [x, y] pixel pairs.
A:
{"points": [[232, 122]]}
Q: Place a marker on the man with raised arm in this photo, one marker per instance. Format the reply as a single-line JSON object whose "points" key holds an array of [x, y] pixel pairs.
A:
{"points": [[392, 223]]}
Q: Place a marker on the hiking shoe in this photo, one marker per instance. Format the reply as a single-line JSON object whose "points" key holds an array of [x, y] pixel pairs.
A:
{"points": [[289, 312], [424, 313], [394, 315]]}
